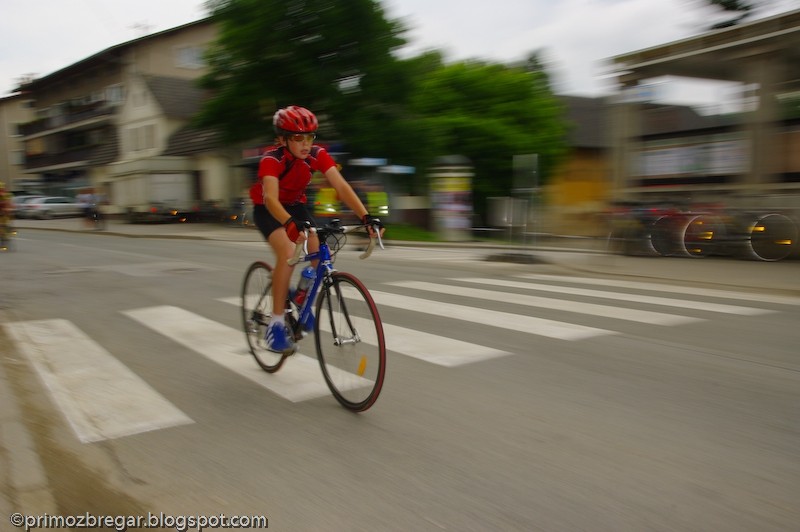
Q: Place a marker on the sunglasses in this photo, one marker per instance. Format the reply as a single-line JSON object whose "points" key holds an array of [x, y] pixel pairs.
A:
{"points": [[300, 137]]}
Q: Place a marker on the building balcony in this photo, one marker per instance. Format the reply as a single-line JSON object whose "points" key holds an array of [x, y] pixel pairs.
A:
{"points": [[70, 158], [77, 117]]}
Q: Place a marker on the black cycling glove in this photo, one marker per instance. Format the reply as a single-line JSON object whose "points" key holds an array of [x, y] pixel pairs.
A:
{"points": [[371, 221]]}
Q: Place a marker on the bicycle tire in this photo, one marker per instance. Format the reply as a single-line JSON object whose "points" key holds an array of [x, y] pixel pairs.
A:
{"points": [[256, 304], [354, 367]]}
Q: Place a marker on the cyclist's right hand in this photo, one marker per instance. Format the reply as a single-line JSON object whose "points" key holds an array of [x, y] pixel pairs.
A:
{"points": [[295, 227]]}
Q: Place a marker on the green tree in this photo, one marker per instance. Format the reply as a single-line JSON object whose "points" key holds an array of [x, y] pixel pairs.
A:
{"points": [[272, 53], [385, 125], [336, 58], [489, 113]]}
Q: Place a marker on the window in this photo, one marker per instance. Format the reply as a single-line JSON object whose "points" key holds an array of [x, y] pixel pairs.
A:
{"points": [[35, 146], [115, 94], [149, 137], [76, 140], [189, 57], [139, 98], [142, 138]]}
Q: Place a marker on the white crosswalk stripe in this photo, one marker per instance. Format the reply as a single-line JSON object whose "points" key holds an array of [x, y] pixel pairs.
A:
{"points": [[655, 287], [641, 316], [93, 389], [620, 296], [98, 395], [433, 348], [505, 320], [299, 381]]}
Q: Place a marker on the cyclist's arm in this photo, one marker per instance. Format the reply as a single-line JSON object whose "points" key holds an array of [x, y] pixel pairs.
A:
{"points": [[271, 199]]}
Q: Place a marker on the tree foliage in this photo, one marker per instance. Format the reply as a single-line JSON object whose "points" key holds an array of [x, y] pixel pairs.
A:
{"points": [[490, 113], [742, 10], [272, 53], [337, 58]]}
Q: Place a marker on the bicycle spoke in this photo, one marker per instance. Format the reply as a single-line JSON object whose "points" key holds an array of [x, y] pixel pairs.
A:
{"points": [[350, 343], [256, 312]]}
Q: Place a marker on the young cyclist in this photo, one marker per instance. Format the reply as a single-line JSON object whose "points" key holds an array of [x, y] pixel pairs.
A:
{"points": [[279, 204]]}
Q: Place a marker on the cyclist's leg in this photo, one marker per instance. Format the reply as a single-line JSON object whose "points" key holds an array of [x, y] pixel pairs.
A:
{"points": [[279, 338], [256, 305], [301, 213], [284, 248], [282, 273]]}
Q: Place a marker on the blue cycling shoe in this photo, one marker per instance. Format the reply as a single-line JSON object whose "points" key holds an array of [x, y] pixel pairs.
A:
{"points": [[279, 339]]}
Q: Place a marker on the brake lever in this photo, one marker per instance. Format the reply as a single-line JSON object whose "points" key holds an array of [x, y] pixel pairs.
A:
{"points": [[371, 245], [300, 249]]}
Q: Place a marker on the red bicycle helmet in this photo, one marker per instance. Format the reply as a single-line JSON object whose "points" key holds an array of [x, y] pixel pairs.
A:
{"points": [[294, 119]]}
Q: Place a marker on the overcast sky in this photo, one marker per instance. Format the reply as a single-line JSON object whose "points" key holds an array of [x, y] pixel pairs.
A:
{"points": [[574, 36]]}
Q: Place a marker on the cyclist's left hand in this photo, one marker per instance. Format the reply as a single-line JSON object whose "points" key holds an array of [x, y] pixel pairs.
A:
{"points": [[374, 225]]}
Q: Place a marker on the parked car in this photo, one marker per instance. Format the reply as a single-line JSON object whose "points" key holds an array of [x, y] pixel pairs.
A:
{"points": [[50, 207], [16, 203]]}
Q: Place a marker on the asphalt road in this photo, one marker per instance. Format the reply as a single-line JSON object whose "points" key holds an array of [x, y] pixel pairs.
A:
{"points": [[518, 397]]}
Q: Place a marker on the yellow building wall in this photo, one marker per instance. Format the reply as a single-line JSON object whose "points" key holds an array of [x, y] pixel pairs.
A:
{"points": [[577, 192]]}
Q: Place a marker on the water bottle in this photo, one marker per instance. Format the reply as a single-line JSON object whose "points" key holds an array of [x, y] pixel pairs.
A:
{"points": [[306, 278]]}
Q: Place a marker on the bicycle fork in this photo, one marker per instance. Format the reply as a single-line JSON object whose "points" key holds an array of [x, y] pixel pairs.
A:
{"points": [[338, 339]]}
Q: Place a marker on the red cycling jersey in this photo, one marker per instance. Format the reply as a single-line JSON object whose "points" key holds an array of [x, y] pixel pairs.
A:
{"points": [[293, 174]]}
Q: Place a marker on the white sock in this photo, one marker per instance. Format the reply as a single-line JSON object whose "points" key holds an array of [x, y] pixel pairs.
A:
{"points": [[276, 318]]}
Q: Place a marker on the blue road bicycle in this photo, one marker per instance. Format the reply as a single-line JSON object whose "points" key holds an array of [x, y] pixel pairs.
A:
{"points": [[347, 327]]}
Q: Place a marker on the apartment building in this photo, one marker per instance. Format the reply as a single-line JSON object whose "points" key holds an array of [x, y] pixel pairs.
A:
{"points": [[14, 110], [119, 122]]}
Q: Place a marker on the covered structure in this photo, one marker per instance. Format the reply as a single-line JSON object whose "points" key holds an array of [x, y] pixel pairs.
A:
{"points": [[753, 156]]}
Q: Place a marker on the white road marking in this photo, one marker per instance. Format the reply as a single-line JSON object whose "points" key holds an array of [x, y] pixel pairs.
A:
{"points": [[433, 348], [300, 378], [619, 296], [505, 320], [99, 396], [638, 285], [605, 311]]}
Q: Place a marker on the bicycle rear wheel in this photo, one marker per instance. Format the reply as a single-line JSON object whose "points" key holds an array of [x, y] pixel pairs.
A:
{"points": [[256, 313], [350, 342]]}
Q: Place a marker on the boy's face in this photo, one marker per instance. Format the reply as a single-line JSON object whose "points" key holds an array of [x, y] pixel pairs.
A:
{"points": [[299, 144]]}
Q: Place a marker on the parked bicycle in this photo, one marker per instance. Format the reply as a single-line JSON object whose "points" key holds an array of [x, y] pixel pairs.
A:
{"points": [[347, 328], [240, 213]]}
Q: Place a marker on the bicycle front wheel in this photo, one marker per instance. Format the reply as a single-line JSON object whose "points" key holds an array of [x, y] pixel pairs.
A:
{"points": [[350, 342], [256, 313]]}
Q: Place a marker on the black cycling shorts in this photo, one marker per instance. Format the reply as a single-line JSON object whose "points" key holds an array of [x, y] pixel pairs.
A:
{"points": [[267, 224]]}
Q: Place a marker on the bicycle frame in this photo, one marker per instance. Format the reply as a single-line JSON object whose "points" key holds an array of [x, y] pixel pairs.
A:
{"points": [[324, 266], [348, 332]]}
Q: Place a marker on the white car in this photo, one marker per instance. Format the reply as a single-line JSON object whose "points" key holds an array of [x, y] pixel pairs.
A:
{"points": [[17, 201], [50, 207]]}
